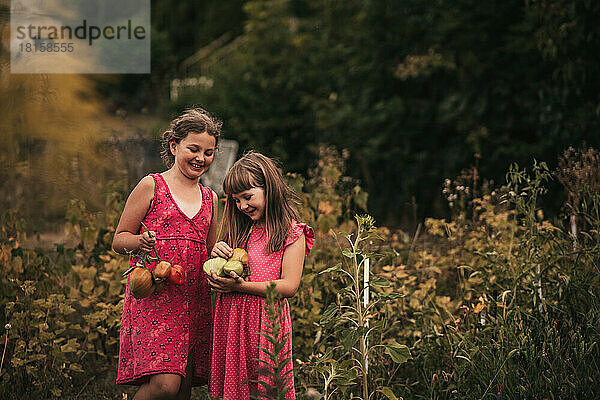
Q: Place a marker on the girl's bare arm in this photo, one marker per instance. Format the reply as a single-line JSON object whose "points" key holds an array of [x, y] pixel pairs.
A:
{"points": [[126, 234]]}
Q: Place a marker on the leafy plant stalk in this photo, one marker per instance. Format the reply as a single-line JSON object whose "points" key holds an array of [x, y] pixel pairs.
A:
{"points": [[358, 339], [358, 310], [276, 382]]}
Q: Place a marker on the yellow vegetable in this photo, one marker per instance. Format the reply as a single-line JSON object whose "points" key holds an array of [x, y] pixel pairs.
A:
{"points": [[215, 264], [233, 266]]}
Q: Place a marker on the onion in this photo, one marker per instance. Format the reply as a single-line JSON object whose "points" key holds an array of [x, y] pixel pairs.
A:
{"points": [[240, 255], [162, 270], [141, 283]]}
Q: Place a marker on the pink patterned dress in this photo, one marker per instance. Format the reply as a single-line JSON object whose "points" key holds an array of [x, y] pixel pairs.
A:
{"points": [[159, 333], [239, 317]]}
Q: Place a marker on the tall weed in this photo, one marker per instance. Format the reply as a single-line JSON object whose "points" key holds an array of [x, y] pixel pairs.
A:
{"points": [[500, 304], [358, 349], [273, 379]]}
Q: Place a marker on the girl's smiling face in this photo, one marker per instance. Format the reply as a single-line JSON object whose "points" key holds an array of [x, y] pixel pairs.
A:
{"points": [[194, 154], [252, 203]]}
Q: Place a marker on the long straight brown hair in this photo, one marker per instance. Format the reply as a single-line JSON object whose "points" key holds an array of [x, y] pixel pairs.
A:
{"points": [[281, 202]]}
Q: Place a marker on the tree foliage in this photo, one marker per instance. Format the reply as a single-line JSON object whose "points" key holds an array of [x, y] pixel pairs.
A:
{"points": [[412, 89]]}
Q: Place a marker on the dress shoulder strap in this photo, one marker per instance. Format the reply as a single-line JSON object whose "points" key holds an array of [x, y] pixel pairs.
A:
{"points": [[160, 185], [207, 200]]}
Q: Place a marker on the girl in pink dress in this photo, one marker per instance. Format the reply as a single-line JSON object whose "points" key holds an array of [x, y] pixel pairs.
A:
{"points": [[260, 214], [165, 337]]}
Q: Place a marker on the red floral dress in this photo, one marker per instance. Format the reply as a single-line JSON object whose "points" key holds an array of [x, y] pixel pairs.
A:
{"points": [[159, 333], [239, 317]]}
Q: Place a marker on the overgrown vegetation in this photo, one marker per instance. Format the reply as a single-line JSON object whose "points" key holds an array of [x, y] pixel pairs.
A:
{"points": [[497, 301], [411, 89], [63, 306]]}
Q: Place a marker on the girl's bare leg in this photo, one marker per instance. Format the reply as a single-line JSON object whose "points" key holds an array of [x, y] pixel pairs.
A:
{"points": [[185, 389], [160, 387]]}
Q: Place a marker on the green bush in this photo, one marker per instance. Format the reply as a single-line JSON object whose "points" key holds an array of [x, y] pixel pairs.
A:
{"points": [[63, 306], [496, 301], [502, 303]]}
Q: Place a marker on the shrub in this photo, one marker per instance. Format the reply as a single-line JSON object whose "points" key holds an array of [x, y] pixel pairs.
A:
{"points": [[64, 306]]}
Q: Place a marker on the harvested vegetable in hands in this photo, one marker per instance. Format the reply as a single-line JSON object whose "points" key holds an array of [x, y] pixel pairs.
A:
{"points": [[215, 264], [177, 275], [233, 266], [237, 263], [144, 281], [239, 255]]}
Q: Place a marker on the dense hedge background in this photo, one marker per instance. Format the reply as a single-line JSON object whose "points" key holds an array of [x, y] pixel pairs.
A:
{"points": [[415, 91]]}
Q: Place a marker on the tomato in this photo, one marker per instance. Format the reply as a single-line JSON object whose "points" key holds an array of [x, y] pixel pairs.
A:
{"points": [[177, 275]]}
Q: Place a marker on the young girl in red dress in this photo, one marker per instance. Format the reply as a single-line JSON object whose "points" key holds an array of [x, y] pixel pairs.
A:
{"points": [[165, 337], [260, 214]]}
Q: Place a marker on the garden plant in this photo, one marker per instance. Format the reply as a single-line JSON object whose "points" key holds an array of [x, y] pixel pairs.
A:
{"points": [[497, 300]]}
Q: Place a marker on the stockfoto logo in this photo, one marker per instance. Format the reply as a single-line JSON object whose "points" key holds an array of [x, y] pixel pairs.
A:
{"points": [[83, 31], [70, 36]]}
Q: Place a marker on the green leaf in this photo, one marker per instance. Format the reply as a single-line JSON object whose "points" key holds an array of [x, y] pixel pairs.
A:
{"points": [[17, 362], [391, 296], [337, 267], [350, 339], [347, 374], [329, 313], [348, 253], [115, 288], [89, 273], [87, 286], [85, 303], [70, 346], [32, 370], [318, 337], [399, 352], [35, 357], [380, 282], [388, 393], [76, 367]]}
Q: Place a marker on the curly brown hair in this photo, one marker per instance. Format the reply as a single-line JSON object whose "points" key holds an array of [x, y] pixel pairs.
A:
{"points": [[193, 120]]}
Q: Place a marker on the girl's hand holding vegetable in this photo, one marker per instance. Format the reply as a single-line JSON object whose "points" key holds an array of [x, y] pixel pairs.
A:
{"points": [[225, 284], [221, 249], [147, 241]]}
